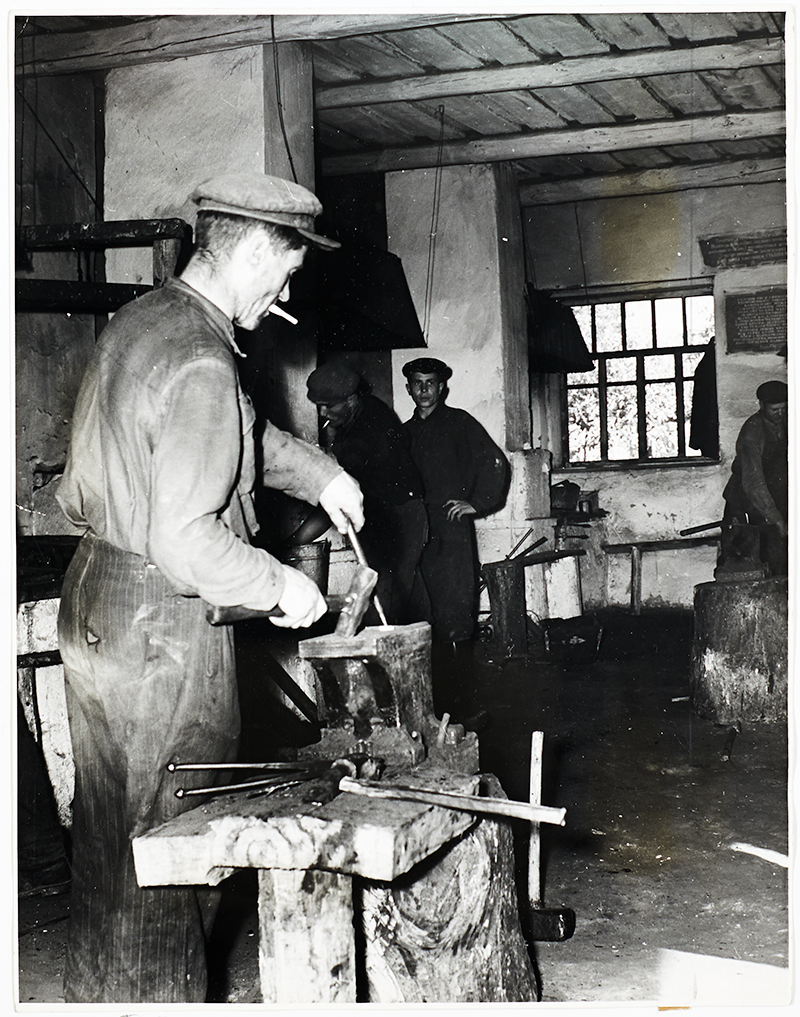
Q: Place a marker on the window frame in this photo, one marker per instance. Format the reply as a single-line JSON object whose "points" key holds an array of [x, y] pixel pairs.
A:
{"points": [[621, 296]]}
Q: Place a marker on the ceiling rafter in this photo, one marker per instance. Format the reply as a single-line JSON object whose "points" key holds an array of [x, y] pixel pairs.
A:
{"points": [[169, 37], [663, 180], [689, 130], [572, 71]]}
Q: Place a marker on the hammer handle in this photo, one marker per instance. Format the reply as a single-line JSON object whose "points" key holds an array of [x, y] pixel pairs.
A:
{"points": [[451, 800], [226, 615]]}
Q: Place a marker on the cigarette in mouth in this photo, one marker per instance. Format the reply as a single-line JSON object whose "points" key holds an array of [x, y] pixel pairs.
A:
{"points": [[274, 309]]}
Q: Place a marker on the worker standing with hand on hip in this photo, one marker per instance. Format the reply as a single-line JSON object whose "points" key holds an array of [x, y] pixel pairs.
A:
{"points": [[160, 475], [465, 475]]}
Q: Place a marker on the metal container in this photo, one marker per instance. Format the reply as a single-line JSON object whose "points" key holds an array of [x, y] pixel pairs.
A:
{"points": [[313, 560]]}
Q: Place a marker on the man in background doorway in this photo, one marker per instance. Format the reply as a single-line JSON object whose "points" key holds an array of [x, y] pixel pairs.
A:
{"points": [[465, 476], [367, 440]]}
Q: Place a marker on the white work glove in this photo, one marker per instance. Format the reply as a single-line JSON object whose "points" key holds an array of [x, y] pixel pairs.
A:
{"points": [[301, 602], [343, 501]]}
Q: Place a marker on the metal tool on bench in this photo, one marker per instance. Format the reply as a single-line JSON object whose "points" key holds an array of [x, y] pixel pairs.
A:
{"points": [[286, 775]]}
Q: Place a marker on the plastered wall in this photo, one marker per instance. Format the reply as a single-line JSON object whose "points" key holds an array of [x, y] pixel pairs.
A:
{"points": [[459, 301], [640, 240]]}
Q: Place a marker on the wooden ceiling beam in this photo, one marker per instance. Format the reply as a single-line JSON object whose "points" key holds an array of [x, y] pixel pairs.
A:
{"points": [[616, 137], [557, 74], [655, 181], [183, 35]]}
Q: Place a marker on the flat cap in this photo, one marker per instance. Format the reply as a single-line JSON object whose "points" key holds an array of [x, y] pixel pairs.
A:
{"points": [[773, 392], [428, 365], [271, 199], [332, 383]]}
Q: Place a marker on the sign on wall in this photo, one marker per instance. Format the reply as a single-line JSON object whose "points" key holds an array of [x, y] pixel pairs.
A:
{"points": [[756, 322], [744, 251]]}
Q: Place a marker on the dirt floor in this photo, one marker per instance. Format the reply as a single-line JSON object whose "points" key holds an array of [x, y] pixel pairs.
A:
{"points": [[666, 909]]}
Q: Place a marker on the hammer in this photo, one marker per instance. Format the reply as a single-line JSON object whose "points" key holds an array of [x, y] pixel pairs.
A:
{"points": [[351, 607]]}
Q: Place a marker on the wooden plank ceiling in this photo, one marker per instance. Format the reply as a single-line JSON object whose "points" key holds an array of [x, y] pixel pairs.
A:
{"points": [[567, 99]]}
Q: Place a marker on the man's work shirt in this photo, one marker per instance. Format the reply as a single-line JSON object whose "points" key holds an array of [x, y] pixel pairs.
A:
{"points": [[457, 459], [759, 473], [161, 459]]}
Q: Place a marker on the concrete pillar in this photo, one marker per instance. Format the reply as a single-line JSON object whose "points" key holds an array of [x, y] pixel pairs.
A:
{"points": [[171, 125], [468, 291]]}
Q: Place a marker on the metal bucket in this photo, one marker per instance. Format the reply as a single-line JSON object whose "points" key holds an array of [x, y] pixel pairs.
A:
{"points": [[312, 560]]}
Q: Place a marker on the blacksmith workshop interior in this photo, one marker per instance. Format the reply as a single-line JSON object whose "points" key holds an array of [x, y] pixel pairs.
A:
{"points": [[584, 216]]}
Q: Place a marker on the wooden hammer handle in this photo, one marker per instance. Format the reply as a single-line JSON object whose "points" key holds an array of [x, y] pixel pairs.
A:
{"points": [[452, 800]]}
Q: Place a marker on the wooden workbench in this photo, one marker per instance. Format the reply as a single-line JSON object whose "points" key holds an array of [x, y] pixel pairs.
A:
{"points": [[638, 547], [307, 854]]}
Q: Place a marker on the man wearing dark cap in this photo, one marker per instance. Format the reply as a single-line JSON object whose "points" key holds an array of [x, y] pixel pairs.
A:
{"points": [[159, 476], [464, 475], [758, 490], [367, 439]]}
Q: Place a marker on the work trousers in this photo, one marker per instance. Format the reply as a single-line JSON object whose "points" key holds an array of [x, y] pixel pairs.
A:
{"points": [[449, 567], [393, 538], [148, 681]]}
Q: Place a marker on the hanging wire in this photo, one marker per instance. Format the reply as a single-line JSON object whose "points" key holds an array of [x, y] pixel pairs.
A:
{"points": [[580, 251], [437, 191], [278, 96]]}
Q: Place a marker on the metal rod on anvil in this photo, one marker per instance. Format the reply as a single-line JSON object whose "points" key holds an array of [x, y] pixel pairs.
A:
{"points": [[355, 543], [249, 785], [172, 767], [451, 800]]}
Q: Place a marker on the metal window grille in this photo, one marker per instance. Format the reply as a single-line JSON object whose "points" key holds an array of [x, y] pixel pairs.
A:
{"points": [[635, 405]]}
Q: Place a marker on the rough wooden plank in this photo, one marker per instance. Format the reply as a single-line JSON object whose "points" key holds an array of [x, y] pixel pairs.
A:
{"points": [[685, 93], [66, 295], [575, 71], [627, 31], [173, 36], [573, 104], [306, 948], [668, 544], [351, 835], [657, 181], [566, 142], [110, 233]]}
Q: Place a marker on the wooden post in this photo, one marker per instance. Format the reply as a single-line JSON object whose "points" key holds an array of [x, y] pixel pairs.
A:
{"points": [[306, 951], [506, 583], [739, 665], [535, 842], [452, 933], [636, 579]]}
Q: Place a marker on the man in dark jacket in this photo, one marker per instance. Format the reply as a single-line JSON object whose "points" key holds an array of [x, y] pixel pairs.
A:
{"points": [[367, 440], [464, 475], [758, 491]]}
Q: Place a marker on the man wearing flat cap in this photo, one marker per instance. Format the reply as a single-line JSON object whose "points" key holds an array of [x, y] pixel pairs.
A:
{"points": [[465, 476], [758, 490], [159, 477], [367, 439]]}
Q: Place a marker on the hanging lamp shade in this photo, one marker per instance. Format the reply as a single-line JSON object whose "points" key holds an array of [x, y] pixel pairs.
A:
{"points": [[363, 301], [555, 341]]}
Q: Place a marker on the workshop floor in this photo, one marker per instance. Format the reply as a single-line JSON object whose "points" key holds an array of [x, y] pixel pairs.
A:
{"points": [[666, 909]]}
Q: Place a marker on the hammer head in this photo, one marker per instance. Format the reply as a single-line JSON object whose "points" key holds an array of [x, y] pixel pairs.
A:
{"points": [[356, 600]]}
